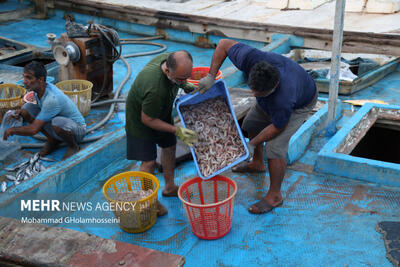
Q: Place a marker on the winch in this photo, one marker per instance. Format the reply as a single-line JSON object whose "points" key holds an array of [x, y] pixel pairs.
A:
{"points": [[87, 53]]}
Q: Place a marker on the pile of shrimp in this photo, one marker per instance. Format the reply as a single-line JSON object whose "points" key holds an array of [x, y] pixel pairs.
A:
{"points": [[219, 142]]}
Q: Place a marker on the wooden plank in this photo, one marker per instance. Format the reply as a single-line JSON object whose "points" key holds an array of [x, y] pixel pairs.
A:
{"points": [[16, 14], [22, 48], [353, 42], [41, 9]]}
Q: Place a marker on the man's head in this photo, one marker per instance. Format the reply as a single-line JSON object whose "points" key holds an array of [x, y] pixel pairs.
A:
{"points": [[179, 66], [35, 76], [263, 79]]}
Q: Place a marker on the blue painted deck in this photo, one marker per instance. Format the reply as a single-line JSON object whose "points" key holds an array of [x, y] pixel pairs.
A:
{"points": [[325, 219], [12, 5]]}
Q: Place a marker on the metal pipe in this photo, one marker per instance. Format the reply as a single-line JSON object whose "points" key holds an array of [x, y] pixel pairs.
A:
{"points": [[39, 145], [126, 41], [111, 110], [335, 67], [100, 103]]}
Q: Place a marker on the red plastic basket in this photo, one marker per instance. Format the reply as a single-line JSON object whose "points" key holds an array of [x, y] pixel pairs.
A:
{"points": [[209, 205], [201, 72]]}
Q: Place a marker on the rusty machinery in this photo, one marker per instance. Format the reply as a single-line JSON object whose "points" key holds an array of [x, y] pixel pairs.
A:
{"points": [[88, 53]]}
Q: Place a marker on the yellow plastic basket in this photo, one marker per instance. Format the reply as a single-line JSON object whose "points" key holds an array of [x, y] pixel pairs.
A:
{"points": [[134, 216], [11, 97], [80, 92]]}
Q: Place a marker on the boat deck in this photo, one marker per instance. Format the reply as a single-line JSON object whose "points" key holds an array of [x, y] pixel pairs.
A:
{"points": [[321, 16], [325, 219]]}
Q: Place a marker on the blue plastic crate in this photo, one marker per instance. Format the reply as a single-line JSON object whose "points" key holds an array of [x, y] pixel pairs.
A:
{"points": [[219, 89]]}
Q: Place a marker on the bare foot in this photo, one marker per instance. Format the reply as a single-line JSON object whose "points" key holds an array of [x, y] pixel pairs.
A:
{"points": [[248, 167], [171, 192], [70, 151], [263, 206], [161, 210], [49, 147]]}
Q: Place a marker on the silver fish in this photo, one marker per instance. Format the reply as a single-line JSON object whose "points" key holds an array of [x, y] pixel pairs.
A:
{"points": [[34, 159], [3, 187], [42, 168], [36, 168], [11, 178], [27, 169], [11, 169], [20, 175], [19, 171], [34, 172], [48, 159], [23, 164], [28, 172]]}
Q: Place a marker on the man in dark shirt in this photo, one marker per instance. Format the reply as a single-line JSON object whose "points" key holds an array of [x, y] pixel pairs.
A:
{"points": [[285, 96]]}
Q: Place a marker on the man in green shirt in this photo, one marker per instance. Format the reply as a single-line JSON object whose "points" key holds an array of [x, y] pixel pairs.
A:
{"points": [[148, 115]]}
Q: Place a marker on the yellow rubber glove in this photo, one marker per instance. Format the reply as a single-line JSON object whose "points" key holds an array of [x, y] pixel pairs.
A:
{"points": [[187, 136]]}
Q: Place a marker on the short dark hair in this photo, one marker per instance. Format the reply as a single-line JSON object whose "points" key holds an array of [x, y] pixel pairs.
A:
{"points": [[171, 60], [37, 68], [263, 77]]}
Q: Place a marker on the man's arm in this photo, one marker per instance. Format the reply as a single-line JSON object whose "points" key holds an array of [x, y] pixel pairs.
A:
{"points": [[157, 124], [267, 134], [27, 130], [220, 54]]}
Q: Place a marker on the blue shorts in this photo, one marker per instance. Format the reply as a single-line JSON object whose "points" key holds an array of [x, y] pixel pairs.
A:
{"points": [[78, 130]]}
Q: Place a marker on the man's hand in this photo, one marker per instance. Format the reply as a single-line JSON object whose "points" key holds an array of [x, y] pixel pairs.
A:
{"points": [[206, 83], [251, 149], [7, 133], [15, 114], [189, 137]]}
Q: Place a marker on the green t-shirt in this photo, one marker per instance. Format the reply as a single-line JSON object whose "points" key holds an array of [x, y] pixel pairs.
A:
{"points": [[154, 94]]}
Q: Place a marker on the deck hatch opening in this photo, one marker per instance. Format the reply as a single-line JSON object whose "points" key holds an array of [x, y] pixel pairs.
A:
{"points": [[366, 128], [366, 147], [381, 142]]}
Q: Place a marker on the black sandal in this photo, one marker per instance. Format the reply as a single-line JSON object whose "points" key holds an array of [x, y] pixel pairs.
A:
{"points": [[263, 207]]}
